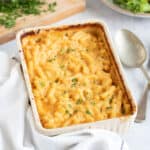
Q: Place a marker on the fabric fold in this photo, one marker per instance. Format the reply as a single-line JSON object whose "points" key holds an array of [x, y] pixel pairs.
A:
{"points": [[17, 130]]}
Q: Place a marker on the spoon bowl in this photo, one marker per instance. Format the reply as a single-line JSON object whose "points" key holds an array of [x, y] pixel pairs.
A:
{"points": [[131, 50]]}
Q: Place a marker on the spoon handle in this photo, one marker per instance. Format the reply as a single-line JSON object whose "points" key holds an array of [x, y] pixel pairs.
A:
{"points": [[145, 73], [141, 114]]}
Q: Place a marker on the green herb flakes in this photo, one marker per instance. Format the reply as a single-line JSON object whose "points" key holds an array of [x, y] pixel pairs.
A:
{"points": [[69, 50], [64, 92], [12, 9], [79, 101], [52, 59], [110, 100], [62, 51], [52, 6], [67, 111], [74, 81], [93, 103], [42, 84], [88, 112], [69, 105], [109, 107], [62, 66]]}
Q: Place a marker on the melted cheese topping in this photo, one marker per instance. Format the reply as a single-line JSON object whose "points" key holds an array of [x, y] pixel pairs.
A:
{"points": [[72, 77]]}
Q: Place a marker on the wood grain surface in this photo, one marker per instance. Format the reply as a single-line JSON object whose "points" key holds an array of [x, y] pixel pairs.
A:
{"points": [[64, 8]]}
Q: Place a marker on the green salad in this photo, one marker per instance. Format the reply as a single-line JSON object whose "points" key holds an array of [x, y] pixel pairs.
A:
{"points": [[135, 6]]}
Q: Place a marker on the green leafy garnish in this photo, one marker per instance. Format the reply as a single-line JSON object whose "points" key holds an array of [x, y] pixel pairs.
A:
{"points": [[10, 10], [69, 50], [67, 111], [79, 101], [62, 51], [51, 59], [110, 100], [134, 6], [42, 84], [62, 66], [7, 21], [93, 103], [64, 92], [74, 81], [52, 6], [69, 105], [88, 112], [109, 107]]}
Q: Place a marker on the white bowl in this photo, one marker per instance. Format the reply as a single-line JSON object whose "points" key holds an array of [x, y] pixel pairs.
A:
{"points": [[115, 7]]}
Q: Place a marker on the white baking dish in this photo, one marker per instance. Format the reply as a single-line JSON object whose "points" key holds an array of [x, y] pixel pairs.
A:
{"points": [[119, 125]]}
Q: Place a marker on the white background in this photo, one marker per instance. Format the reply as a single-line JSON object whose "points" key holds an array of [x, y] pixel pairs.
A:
{"points": [[138, 138]]}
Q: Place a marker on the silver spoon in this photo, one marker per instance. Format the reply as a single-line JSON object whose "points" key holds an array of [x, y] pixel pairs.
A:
{"points": [[133, 54]]}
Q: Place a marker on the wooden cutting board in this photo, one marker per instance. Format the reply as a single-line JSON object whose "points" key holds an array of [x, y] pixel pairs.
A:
{"points": [[64, 8]]}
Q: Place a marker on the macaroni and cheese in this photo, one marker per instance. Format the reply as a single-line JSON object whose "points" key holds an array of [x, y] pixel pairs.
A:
{"points": [[73, 76]]}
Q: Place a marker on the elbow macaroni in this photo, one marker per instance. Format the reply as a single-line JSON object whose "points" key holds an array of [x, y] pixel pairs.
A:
{"points": [[71, 75]]}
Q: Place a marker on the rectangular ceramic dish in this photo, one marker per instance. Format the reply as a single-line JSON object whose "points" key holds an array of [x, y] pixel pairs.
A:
{"points": [[119, 125]]}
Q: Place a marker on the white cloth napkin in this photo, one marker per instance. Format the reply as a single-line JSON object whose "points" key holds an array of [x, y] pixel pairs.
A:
{"points": [[17, 131]]}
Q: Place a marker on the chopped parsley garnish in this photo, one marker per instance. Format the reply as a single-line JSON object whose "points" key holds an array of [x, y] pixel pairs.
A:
{"points": [[7, 21], [64, 92], [93, 103], [74, 81], [110, 100], [62, 66], [79, 101], [52, 59], [62, 51], [12, 9], [69, 50], [52, 6], [67, 111], [88, 112], [109, 107], [69, 105], [94, 81], [42, 84], [88, 95]]}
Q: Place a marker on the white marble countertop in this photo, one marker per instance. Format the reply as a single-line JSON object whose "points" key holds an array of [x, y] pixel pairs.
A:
{"points": [[138, 138]]}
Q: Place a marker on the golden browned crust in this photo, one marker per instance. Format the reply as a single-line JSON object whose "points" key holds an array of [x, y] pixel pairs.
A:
{"points": [[115, 71]]}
